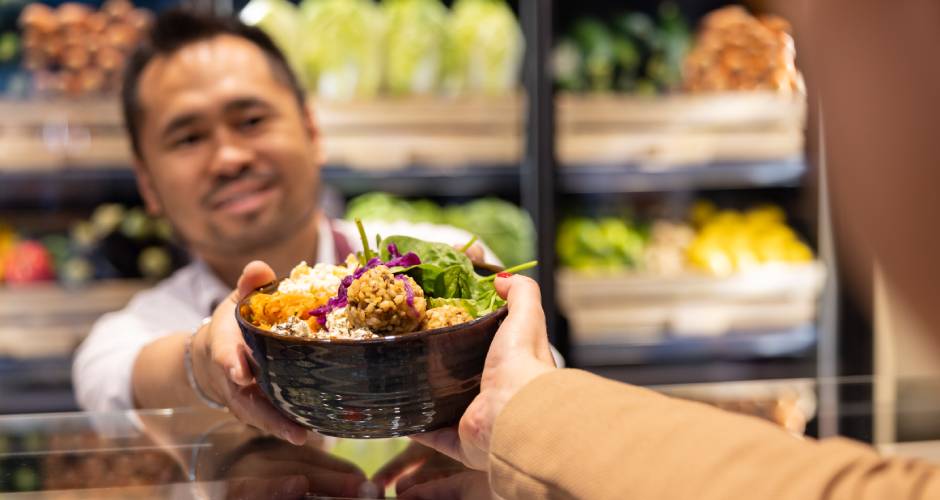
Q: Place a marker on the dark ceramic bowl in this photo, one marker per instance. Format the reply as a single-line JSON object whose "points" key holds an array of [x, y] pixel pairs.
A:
{"points": [[377, 388]]}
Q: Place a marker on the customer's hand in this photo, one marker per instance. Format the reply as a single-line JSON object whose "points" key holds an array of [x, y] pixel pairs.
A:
{"points": [[220, 363], [519, 353]]}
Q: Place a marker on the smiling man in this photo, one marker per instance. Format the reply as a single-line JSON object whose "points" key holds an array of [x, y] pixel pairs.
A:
{"points": [[225, 148]]}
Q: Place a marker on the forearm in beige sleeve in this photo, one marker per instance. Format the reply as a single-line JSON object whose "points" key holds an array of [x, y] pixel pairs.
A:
{"points": [[570, 434]]}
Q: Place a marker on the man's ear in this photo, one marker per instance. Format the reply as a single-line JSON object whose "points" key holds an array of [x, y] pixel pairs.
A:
{"points": [[313, 132], [146, 187]]}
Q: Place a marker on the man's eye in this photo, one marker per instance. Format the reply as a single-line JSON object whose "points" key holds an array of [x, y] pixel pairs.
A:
{"points": [[251, 122], [187, 140]]}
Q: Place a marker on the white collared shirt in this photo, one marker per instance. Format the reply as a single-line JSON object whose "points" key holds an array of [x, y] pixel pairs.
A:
{"points": [[101, 372]]}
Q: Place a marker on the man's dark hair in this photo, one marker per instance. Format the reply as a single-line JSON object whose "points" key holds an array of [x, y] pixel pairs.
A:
{"points": [[177, 28]]}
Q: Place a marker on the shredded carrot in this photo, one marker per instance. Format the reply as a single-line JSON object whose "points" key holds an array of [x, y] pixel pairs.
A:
{"points": [[267, 310]]}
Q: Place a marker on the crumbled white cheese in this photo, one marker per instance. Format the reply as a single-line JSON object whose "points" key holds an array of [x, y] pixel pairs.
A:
{"points": [[294, 327], [304, 279], [337, 323]]}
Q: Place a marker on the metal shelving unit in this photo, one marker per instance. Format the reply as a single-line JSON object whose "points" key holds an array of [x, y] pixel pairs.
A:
{"points": [[638, 178], [773, 353], [475, 180], [736, 345]]}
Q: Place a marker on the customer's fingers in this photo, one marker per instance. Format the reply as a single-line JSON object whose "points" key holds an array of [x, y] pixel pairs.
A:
{"points": [[524, 326], [251, 407], [446, 441]]}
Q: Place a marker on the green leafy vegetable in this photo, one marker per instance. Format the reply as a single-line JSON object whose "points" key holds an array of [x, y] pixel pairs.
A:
{"points": [[485, 48], [446, 275], [278, 18], [417, 32], [469, 244], [606, 243], [504, 227], [342, 47]]}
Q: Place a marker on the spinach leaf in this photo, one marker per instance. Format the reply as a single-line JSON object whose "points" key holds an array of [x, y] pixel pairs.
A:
{"points": [[438, 254], [446, 275]]}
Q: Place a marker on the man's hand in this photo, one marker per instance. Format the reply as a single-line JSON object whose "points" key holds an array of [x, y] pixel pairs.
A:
{"points": [[519, 353], [220, 363]]}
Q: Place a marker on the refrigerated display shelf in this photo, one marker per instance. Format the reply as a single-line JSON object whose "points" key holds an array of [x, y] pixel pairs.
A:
{"points": [[739, 345], [471, 180], [36, 385], [69, 186], [639, 178]]}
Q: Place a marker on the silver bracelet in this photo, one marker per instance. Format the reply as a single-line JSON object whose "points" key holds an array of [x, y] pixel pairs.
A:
{"points": [[191, 376]]}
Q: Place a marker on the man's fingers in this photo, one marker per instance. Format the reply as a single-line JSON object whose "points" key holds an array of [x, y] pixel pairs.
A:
{"points": [[252, 408], [227, 348], [475, 253], [446, 441], [255, 275]]}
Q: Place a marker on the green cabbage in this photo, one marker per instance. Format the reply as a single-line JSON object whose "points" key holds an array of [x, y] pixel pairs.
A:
{"points": [[341, 44], [414, 47], [485, 48], [277, 18]]}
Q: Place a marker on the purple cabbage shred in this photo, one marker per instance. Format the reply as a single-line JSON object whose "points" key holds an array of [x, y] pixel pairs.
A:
{"points": [[409, 294], [341, 300]]}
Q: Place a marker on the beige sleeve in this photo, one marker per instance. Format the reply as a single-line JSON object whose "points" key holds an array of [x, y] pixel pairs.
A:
{"points": [[570, 434]]}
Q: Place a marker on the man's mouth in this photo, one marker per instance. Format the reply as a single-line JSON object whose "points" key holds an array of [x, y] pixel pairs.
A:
{"points": [[242, 197]]}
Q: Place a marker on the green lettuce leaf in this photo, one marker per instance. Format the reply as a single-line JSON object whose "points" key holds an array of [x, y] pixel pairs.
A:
{"points": [[446, 275]]}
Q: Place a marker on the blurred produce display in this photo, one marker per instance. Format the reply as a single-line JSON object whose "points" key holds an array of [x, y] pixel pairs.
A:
{"points": [[713, 241], [10, 41], [115, 242], [351, 49], [79, 460], [597, 244], [737, 51], [633, 52], [415, 47], [504, 227], [485, 48], [75, 50], [729, 241], [642, 54]]}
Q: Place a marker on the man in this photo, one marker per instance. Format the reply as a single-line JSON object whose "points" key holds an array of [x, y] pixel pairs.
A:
{"points": [[226, 149]]}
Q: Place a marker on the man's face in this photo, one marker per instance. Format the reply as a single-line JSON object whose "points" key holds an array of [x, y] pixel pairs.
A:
{"points": [[226, 152]]}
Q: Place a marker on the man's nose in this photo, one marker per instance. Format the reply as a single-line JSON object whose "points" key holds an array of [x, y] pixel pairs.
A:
{"points": [[231, 154]]}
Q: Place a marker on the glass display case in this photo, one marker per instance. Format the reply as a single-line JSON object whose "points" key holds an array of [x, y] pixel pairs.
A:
{"points": [[194, 454]]}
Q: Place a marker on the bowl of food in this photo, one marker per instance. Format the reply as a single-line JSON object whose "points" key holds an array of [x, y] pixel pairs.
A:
{"points": [[387, 344]]}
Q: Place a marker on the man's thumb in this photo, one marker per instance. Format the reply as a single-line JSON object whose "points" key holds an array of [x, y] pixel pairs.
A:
{"points": [[256, 274]]}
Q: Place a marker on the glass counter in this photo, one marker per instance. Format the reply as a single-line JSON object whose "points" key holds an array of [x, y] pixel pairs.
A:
{"points": [[186, 453]]}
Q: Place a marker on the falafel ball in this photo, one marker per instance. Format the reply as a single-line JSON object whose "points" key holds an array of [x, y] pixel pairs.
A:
{"points": [[441, 316], [384, 303]]}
